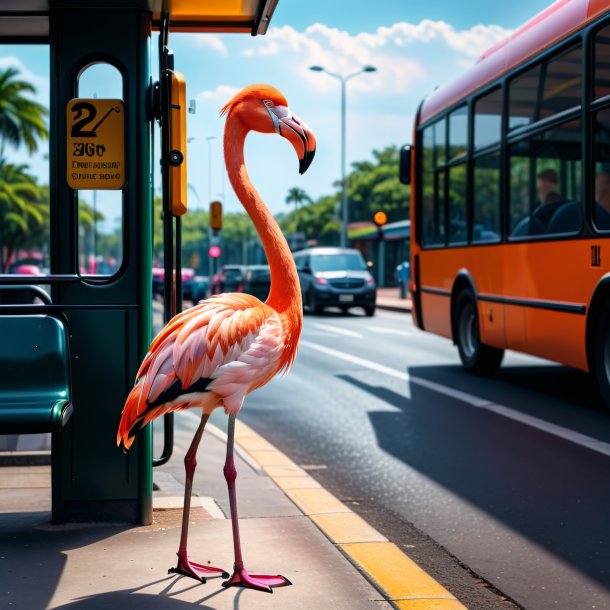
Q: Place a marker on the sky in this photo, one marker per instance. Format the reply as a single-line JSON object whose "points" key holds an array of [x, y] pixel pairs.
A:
{"points": [[415, 46]]}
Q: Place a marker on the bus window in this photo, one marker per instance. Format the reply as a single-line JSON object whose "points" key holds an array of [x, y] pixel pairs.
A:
{"points": [[486, 198], [24, 159], [488, 119], [562, 83], [523, 93], [458, 133], [601, 209], [546, 89], [602, 63], [458, 222], [100, 212], [433, 191], [546, 183]]}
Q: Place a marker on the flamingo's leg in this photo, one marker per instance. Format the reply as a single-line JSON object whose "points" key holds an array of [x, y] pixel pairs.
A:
{"points": [[185, 567], [241, 577]]}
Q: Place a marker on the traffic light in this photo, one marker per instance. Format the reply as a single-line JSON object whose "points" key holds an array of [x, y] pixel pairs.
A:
{"points": [[216, 215], [380, 218]]}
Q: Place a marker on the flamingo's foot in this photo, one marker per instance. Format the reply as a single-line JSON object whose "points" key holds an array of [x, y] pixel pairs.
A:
{"points": [[260, 582], [197, 571]]}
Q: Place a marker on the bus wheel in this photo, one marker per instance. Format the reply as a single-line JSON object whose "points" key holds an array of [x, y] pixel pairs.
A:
{"points": [[477, 358], [601, 358]]}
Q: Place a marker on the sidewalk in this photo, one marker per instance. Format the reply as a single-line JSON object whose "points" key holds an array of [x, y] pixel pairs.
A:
{"points": [[389, 298], [289, 525]]}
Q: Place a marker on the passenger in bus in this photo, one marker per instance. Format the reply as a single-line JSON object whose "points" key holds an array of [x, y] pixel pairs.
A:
{"points": [[549, 200], [602, 200]]}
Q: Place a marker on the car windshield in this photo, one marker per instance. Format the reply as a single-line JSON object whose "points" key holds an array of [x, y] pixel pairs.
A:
{"points": [[232, 273], [338, 262]]}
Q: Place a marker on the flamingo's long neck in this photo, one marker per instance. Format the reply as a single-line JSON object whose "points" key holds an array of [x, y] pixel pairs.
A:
{"points": [[285, 293]]}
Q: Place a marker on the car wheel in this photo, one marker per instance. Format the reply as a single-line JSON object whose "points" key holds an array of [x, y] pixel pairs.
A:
{"points": [[313, 306], [370, 311], [477, 358], [601, 358]]}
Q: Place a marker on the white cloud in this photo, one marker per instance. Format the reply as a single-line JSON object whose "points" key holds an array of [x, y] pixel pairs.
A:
{"points": [[213, 42], [222, 94], [398, 51], [41, 83]]}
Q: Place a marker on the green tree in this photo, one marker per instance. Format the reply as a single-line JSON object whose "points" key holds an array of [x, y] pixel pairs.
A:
{"points": [[22, 120], [297, 196], [374, 185], [24, 210]]}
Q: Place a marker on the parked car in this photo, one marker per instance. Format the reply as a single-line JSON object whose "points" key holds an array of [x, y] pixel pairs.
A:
{"points": [[200, 288], [228, 279], [158, 278], [335, 277], [257, 281]]}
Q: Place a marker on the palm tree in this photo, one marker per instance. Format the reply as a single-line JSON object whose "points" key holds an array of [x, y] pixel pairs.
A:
{"points": [[23, 210], [297, 196], [22, 120]]}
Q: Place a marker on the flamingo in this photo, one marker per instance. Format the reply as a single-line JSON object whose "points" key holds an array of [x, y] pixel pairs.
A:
{"points": [[217, 352]]}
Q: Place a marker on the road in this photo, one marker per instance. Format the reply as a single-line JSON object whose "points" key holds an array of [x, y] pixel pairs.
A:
{"points": [[498, 488]]}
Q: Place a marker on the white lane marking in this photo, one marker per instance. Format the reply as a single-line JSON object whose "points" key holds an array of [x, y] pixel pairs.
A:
{"points": [[534, 422], [339, 331], [356, 360], [390, 331]]}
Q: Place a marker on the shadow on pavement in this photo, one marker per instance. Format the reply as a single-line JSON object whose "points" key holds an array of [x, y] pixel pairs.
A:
{"points": [[529, 479]]}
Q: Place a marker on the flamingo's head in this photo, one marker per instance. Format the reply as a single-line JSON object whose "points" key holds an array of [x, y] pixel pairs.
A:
{"points": [[263, 108]]}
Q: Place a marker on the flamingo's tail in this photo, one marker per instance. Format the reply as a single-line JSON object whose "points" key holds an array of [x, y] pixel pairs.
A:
{"points": [[132, 418]]}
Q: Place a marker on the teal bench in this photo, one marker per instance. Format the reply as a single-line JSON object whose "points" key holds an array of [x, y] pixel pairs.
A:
{"points": [[34, 374]]}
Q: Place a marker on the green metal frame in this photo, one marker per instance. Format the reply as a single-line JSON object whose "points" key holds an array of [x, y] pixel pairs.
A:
{"points": [[110, 320]]}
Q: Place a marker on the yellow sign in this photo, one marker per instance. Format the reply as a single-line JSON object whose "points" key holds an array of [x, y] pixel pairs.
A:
{"points": [[96, 144]]}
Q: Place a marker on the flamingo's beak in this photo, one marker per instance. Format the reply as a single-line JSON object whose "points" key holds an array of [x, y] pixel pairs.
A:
{"points": [[296, 132]]}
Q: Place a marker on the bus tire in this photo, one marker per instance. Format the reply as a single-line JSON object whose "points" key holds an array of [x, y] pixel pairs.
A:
{"points": [[601, 358], [477, 358]]}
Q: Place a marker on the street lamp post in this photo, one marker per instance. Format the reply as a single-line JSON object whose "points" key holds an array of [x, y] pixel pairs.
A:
{"points": [[343, 79]]}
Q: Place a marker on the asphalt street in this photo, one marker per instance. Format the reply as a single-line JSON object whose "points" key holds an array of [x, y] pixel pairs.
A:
{"points": [[497, 487], [509, 475]]}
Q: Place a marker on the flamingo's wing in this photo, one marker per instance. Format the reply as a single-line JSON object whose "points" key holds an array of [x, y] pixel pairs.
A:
{"points": [[210, 355]]}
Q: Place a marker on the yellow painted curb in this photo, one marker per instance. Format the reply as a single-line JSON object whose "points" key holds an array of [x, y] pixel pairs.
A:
{"points": [[343, 528], [402, 578], [407, 586], [428, 604], [316, 501]]}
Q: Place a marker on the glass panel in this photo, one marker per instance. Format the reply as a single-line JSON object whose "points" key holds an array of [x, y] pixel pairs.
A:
{"points": [[601, 210], [522, 98], [546, 183], [486, 193], [100, 212], [602, 63], [24, 159], [440, 142], [488, 119], [562, 83], [433, 209], [458, 225], [458, 133]]}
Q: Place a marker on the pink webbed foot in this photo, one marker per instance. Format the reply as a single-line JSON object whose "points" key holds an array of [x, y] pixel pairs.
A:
{"points": [[197, 571], [261, 582]]}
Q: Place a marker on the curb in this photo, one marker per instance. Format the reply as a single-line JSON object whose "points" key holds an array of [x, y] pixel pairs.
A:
{"points": [[405, 584]]}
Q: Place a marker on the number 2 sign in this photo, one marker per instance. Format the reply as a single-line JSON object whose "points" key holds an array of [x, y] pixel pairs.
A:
{"points": [[95, 144]]}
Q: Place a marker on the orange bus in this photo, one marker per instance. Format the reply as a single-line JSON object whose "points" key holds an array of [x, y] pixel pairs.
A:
{"points": [[510, 198]]}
